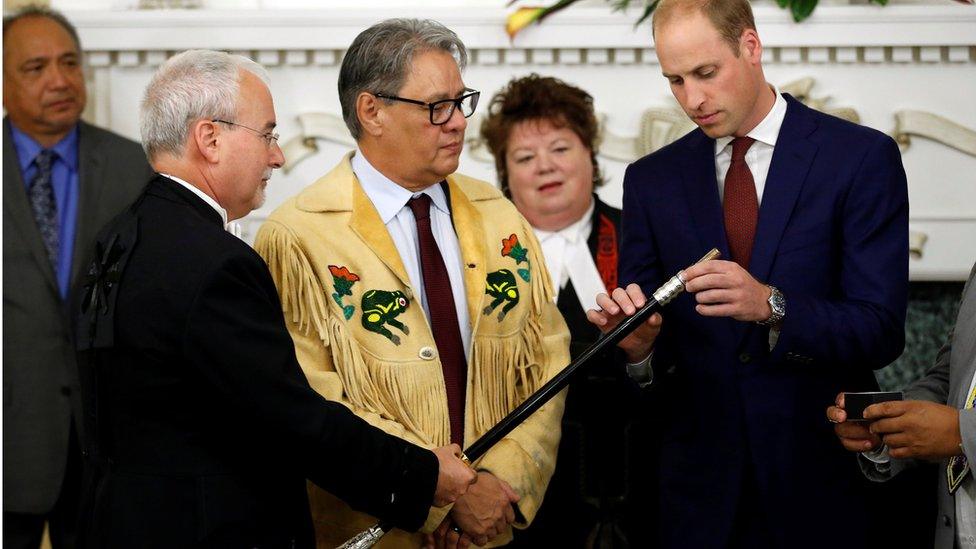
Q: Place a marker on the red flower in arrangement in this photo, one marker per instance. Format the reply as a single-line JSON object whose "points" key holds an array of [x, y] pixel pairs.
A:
{"points": [[509, 243], [343, 273]]}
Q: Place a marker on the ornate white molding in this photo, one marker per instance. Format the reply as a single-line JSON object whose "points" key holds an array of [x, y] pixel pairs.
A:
{"points": [[882, 60], [934, 127], [587, 35], [658, 127]]}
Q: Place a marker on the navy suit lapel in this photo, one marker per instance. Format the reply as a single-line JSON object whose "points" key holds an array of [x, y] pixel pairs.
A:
{"points": [[701, 195], [18, 209], [792, 157], [701, 190]]}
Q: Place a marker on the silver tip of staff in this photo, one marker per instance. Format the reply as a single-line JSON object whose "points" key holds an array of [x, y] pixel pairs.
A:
{"points": [[364, 539], [676, 285]]}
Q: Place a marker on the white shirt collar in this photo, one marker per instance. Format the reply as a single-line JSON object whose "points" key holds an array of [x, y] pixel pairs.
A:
{"points": [[766, 131], [203, 196], [389, 197], [578, 230]]}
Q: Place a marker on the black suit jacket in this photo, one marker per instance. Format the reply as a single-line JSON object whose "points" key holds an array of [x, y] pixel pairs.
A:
{"points": [[204, 427], [40, 378]]}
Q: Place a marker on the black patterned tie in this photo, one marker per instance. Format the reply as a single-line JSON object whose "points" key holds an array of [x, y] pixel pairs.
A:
{"points": [[41, 197]]}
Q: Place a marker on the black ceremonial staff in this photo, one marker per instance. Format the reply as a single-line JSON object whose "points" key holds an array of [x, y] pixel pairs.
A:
{"points": [[661, 297]]}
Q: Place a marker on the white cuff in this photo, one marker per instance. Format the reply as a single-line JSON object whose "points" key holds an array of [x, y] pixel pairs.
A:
{"points": [[878, 455], [773, 337], [880, 458], [641, 371]]}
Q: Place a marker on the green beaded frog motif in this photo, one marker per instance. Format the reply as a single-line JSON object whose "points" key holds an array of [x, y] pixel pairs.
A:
{"points": [[502, 287], [381, 308]]}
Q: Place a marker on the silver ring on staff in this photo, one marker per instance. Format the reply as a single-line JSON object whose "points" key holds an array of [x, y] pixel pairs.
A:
{"points": [[681, 277]]}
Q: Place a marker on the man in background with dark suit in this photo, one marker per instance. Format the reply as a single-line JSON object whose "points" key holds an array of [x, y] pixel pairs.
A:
{"points": [[811, 215], [62, 180], [203, 427]]}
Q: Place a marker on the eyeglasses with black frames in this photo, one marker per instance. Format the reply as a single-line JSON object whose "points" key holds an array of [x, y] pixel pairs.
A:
{"points": [[270, 138], [442, 111]]}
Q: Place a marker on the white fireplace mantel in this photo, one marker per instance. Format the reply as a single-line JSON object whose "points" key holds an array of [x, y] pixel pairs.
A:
{"points": [[875, 60], [483, 28]]}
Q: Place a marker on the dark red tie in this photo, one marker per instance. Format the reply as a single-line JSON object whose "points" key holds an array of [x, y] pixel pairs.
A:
{"points": [[443, 316], [741, 203]]}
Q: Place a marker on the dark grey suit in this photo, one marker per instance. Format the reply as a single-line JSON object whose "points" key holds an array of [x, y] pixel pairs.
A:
{"points": [[947, 382], [40, 381]]}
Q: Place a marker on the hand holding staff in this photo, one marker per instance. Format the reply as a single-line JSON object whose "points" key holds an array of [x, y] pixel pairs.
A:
{"points": [[661, 297], [454, 475]]}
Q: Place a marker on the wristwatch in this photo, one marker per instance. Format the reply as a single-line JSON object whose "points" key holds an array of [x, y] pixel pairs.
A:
{"points": [[777, 304]]}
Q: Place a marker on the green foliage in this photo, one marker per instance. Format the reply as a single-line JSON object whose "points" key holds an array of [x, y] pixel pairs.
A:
{"points": [[560, 5], [647, 12], [799, 9]]}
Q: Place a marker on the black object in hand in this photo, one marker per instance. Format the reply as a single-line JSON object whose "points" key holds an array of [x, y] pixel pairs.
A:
{"points": [[855, 403]]}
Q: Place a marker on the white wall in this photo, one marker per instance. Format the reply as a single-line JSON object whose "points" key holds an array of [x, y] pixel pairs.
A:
{"points": [[875, 60]]}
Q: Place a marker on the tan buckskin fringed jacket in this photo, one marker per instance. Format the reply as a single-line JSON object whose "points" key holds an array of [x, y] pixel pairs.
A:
{"points": [[363, 340]]}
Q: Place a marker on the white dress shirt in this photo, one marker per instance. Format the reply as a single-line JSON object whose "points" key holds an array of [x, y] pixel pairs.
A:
{"points": [[758, 158], [229, 226], [760, 154], [568, 258], [390, 201]]}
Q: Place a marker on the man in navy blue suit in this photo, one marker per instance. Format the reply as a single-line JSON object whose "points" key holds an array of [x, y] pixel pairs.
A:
{"points": [[811, 216]]}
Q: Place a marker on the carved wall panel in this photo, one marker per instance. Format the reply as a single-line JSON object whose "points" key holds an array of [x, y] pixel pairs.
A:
{"points": [[901, 69]]}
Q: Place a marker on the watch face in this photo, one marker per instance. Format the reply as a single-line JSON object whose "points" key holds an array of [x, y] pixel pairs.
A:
{"points": [[778, 306]]}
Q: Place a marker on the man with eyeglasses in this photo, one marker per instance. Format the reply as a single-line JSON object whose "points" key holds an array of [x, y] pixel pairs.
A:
{"points": [[416, 296], [202, 427]]}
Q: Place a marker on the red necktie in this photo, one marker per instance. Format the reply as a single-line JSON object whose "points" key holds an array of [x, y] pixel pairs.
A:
{"points": [[741, 204], [443, 316]]}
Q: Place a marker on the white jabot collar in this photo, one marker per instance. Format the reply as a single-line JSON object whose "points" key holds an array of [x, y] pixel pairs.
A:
{"points": [[578, 230]]}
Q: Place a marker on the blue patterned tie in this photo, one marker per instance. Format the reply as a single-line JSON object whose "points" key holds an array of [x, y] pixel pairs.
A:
{"points": [[958, 466], [41, 197]]}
